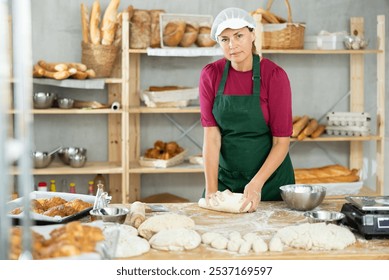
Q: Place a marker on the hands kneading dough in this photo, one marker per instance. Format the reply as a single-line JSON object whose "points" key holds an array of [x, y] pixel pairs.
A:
{"points": [[225, 201]]}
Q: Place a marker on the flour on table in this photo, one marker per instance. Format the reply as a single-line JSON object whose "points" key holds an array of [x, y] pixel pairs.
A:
{"points": [[225, 201], [178, 239], [318, 236], [157, 223]]}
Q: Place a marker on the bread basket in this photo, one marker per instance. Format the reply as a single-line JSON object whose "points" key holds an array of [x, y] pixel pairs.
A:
{"points": [[289, 35], [100, 58]]}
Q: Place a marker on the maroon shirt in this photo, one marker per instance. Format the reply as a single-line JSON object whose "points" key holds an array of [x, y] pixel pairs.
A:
{"points": [[275, 96]]}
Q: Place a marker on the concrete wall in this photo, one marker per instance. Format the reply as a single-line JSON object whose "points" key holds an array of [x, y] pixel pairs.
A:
{"points": [[318, 81]]}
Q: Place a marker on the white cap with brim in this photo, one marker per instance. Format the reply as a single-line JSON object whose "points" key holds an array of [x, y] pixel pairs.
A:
{"points": [[233, 18]]}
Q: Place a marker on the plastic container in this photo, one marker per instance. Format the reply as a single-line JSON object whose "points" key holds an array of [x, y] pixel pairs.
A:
{"points": [[42, 186], [324, 42]]}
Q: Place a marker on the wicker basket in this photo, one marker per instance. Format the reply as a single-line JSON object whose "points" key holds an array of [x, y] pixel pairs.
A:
{"points": [[161, 163], [289, 35], [100, 58]]}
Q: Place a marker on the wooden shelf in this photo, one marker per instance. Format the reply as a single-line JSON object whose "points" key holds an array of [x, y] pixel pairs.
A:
{"points": [[150, 110], [58, 168], [75, 111], [185, 167], [80, 84], [328, 138]]}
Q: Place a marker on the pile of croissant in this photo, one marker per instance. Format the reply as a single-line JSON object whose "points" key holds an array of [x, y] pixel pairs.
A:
{"points": [[163, 150], [71, 239], [55, 206]]}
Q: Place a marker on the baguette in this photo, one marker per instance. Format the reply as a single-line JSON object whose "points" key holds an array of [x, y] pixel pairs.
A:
{"points": [[95, 18], [322, 172], [352, 177], [296, 118], [79, 66], [91, 73], [319, 131], [108, 25], [300, 125], [85, 23], [308, 130], [53, 67], [79, 75]]}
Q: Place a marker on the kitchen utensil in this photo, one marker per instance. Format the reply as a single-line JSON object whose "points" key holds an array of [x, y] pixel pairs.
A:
{"points": [[77, 160], [55, 151], [65, 103], [43, 100], [42, 159], [321, 216], [110, 214], [303, 197], [65, 153]]}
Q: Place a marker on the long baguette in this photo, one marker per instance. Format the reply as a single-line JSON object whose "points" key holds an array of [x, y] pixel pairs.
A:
{"points": [[308, 130], [85, 23], [108, 25], [300, 125], [53, 67], [321, 172], [95, 34], [319, 131]]}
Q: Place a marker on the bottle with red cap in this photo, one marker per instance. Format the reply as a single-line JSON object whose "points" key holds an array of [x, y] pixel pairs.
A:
{"points": [[42, 186]]}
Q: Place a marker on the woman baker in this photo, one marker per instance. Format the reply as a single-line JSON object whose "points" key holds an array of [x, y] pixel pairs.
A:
{"points": [[245, 103]]}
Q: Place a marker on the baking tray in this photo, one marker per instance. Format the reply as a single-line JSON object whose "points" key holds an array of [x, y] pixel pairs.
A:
{"points": [[39, 219]]}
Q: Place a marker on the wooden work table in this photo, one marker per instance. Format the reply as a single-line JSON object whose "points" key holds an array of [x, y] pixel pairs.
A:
{"points": [[269, 217]]}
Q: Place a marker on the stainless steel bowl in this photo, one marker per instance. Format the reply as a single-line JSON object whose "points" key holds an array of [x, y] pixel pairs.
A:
{"points": [[65, 153], [43, 100], [42, 159], [65, 103], [110, 214], [328, 217], [303, 197], [77, 160], [355, 43]]}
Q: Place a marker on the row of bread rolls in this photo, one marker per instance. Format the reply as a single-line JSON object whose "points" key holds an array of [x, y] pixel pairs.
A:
{"points": [[304, 126], [106, 30], [185, 34], [326, 174], [62, 70]]}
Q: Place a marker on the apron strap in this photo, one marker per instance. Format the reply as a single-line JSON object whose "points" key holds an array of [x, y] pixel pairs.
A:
{"points": [[222, 84]]}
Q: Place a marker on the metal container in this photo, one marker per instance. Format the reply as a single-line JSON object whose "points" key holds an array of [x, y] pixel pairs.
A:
{"points": [[42, 159], [43, 100], [110, 214], [328, 217], [65, 153], [77, 160], [303, 197], [65, 103]]}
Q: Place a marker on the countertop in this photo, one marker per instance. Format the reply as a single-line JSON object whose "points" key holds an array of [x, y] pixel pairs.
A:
{"points": [[269, 217]]}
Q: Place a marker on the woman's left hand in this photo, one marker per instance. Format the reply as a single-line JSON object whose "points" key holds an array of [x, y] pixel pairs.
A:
{"points": [[251, 194]]}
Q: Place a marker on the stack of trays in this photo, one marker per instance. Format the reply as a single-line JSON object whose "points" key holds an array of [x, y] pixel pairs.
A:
{"points": [[348, 124]]}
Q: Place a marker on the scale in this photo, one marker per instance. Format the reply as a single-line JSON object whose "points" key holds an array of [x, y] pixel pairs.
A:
{"points": [[369, 215]]}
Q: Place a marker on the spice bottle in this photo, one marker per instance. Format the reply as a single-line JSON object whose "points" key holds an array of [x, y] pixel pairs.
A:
{"points": [[99, 179], [53, 188], [91, 189], [72, 188], [42, 186]]}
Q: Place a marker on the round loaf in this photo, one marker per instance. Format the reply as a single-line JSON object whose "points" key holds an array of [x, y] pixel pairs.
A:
{"points": [[205, 40], [173, 33], [190, 35]]}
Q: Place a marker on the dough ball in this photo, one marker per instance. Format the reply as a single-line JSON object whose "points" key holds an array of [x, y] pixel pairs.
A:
{"points": [[235, 235], [318, 236], [208, 237], [227, 202], [259, 245], [157, 223], [245, 247], [178, 239], [275, 244], [220, 243], [250, 236], [233, 245]]}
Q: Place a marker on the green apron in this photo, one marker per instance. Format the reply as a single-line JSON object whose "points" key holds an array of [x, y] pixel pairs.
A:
{"points": [[246, 140]]}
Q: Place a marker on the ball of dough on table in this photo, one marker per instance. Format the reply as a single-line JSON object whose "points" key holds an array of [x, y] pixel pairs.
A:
{"points": [[226, 202], [157, 223], [234, 244], [220, 243], [275, 244], [178, 239], [208, 237], [234, 235], [259, 245]]}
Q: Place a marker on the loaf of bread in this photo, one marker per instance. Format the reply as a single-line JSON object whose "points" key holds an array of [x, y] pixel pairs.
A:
{"points": [[319, 131], [155, 40], [325, 174], [190, 35], [108, 25], [173, 33], [309, 129], [85, 23], [299, 125], [140, 29], [95, 34], [204, 37]]}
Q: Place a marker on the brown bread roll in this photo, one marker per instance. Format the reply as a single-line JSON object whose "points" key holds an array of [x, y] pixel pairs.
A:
{"points": [[204, 37], [173, 33], [190, 35]]}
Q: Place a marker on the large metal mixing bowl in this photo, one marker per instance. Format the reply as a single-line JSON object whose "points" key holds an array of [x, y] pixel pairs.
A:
{"points": [[303, 197], [42, 159], [110, 214], [65, 153], [43, 100]]}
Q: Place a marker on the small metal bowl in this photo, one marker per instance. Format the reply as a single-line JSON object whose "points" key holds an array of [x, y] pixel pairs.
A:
{"points": [[65, 103], [77, 160], [42, 159], [328, 217], [110, 214], [355, 43], [43, 100], [65, 153]]}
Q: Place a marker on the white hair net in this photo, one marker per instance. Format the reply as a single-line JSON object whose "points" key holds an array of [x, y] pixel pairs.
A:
{"points": [[234, 18]]}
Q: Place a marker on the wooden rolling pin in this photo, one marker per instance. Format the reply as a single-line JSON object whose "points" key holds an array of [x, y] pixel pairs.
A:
{"points": [[137, 214]]}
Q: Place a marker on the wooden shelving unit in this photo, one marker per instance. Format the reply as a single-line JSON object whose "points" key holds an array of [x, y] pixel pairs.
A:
{"points": [[356, 105]]}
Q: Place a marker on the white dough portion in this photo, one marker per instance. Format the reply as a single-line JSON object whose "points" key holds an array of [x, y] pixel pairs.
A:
{"points": [[226, 202], [157, 223], [178, 239], [259, 245], [220, 243], [275, 244], [317, 236], [234, 235], [233, 245], [208, 237]]}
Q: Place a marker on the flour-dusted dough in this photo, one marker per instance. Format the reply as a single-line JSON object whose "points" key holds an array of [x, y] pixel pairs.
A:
{"points": [[259, 245], [233, 245], [275, 244], [178, 239], [129, 244], [220, 243], [234, 235], [318, 236], [245, 247], [157, 223], [226, 202], [210, 236]]}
